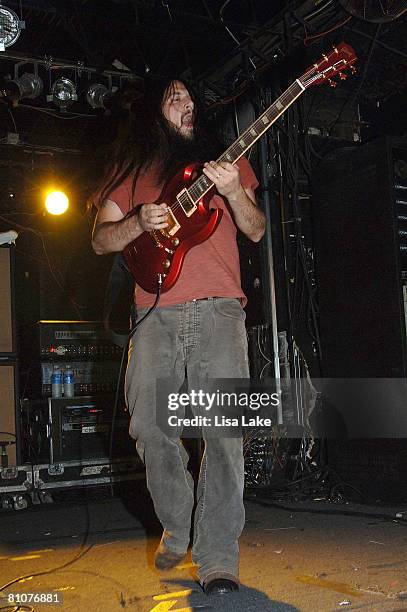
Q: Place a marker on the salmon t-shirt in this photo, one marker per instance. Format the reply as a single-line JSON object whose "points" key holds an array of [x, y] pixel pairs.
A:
{"points": [[210, 269]]}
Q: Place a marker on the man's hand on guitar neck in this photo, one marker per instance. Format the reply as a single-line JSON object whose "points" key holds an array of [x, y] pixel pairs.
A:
{"points": [[112, 231], [226, 178], [248, 217]]}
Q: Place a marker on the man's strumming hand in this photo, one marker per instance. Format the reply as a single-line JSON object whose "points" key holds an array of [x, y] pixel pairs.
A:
{"points": [[152, 217]]}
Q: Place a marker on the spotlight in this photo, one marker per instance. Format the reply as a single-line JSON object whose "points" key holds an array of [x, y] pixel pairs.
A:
{"points": [[56, 202], [99, 96], [26, 86], [63, 93], [10, 27]]}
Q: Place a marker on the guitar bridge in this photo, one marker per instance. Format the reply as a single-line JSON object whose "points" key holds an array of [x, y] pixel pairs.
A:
{"points": [[173, 225]]}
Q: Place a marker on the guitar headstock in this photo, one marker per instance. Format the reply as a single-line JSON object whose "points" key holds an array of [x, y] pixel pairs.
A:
{"points": [[337, 62]]}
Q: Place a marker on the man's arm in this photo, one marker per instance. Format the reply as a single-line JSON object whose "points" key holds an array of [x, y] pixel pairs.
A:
{"points": [[112, 231], [248, 217]]}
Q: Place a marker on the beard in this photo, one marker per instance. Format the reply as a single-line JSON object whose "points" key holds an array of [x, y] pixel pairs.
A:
{"points": [[184, 149]]}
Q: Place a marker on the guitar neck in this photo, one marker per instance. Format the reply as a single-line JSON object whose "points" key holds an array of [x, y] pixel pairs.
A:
{"points": [[246, 140]]}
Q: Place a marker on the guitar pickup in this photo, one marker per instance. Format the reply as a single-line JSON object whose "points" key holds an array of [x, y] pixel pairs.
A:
{"points": [[187, 205]]}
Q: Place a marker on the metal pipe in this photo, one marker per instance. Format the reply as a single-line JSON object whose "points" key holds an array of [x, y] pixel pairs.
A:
{"points": [[270, 299], [53, 64]]}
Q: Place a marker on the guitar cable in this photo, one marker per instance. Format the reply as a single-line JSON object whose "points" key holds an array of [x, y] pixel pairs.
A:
{"points": [[160, 280]]}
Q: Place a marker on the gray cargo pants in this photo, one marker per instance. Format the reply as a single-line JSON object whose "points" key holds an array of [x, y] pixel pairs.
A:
{"points": [[200, 340]]}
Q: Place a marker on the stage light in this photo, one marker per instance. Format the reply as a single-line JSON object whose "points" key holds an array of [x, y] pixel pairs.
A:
{"points": [[10, 27], [99, 96], [26, 86], [56, 202], [63, 93]]}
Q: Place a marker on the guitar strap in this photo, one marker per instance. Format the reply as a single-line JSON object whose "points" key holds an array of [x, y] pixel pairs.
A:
{"points": [[119, 291]]}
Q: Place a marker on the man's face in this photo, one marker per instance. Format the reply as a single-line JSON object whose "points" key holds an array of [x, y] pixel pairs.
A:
{"points": [[178, 109]]}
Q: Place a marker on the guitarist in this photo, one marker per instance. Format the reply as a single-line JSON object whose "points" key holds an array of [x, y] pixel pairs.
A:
{"points": [[197, 330]]}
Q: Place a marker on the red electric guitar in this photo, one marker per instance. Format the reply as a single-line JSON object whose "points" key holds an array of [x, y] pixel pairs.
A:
{"points": [[160, 253]]}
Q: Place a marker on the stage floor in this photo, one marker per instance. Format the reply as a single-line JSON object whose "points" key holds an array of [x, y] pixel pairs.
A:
{"points": [[96, 553]]}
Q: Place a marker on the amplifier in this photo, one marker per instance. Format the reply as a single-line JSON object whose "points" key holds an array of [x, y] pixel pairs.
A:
{"points": [[84, 345], [91, 377], [79, 428], [79, 340]]}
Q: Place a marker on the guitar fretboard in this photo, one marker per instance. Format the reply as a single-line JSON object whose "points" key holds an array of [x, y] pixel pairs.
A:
{"points": [[249, 137]]}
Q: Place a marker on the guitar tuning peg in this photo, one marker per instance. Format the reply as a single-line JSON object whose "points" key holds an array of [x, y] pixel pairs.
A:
{"points": [[343, 76], [332, 83]]}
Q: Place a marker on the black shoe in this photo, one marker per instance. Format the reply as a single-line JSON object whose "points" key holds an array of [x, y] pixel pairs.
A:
{"points": [[220, 586]]}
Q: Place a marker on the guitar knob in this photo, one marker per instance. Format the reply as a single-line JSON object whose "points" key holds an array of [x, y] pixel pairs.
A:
{"points": [[332, 83], [175, 241], [342, 76], [166, 263]]}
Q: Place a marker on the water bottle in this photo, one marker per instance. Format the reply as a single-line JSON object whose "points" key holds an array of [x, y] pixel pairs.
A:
{"points": [[56, 382], [69, 382]]}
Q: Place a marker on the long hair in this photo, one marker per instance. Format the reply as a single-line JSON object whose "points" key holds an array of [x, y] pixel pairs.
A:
{"points": [[147, 138]]}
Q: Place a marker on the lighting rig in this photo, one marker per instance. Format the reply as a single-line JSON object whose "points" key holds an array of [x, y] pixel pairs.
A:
{"points": [[64, 78], [63, 83]]}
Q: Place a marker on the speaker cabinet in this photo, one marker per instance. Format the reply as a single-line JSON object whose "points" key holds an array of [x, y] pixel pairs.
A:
{"points": [[360, 240], [7, 331], [9, 422]]}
